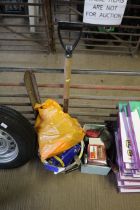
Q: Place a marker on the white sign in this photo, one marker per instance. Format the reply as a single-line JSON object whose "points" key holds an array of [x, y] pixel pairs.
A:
{"points": [[104, 12]]}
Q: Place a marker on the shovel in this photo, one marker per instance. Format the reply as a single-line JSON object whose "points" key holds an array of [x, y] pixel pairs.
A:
{"points": [[69, 48]]}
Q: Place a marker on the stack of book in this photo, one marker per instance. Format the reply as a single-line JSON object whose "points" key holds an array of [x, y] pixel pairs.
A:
{"points": [[128, 147]]}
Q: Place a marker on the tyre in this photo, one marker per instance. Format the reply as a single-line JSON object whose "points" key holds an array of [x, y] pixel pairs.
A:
{"points": [[17, 139]]}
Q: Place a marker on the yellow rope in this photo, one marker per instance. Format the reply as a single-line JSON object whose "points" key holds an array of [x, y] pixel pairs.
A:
{"points": [[60, 161]]}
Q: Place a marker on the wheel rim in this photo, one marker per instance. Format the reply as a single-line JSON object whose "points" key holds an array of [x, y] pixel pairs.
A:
{"points": [[8, 147]]}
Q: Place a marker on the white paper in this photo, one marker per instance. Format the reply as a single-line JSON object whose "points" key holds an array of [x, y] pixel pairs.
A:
{"points": [[128, 183], [131, 183], [137, 172], [130, 190], [129, 178], [129, 166], [136, 176], [96, 141], [104, 12]]}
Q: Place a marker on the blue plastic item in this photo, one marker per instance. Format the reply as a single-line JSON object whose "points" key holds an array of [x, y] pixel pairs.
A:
{"points": [[67, 157]]}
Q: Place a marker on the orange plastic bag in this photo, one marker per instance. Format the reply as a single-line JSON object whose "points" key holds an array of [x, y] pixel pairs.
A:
{"points": [[57, 131]]}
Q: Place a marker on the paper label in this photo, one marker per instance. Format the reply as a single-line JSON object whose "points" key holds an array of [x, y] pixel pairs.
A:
{"points": [[104, 12], [93, 152], [4, 125], [97, 152]]}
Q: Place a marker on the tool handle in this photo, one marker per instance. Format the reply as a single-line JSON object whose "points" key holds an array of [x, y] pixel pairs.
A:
{"points": [[67, 79], [70, 26], [62, 25]]}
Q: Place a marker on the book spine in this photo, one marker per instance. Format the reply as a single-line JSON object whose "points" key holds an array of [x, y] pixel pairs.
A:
{"points": [[134, 137]]}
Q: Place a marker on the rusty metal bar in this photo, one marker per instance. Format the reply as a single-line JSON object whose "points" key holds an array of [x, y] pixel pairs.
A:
{"points": [[13, 95], [93, 97], [20, 3], [45, 15], [110, 118], [97, 45], [74, 71], [109, 33], [47, 10], [102, 40], [17, 15], [23, 40], [20, 45], [126, 52], [94, 114], [15, 104], [94, 106], [120, 26], [11, 84], [93, 87], [32, 90], [58, 96], [105, 46], [23, 32], [104, 51], [22, 25], [74, 86], [112, 98], [25, 50]]}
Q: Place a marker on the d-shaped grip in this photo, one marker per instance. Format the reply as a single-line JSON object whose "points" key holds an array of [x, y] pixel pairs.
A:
{"points": [[72, 26]]}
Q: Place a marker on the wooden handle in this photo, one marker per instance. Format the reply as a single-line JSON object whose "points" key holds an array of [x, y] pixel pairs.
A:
{"points": [[67, 80]]}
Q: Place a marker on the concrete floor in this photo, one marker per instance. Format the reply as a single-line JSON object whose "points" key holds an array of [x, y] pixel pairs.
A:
{"points": [[31, 187]]}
